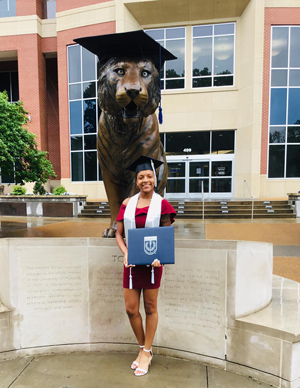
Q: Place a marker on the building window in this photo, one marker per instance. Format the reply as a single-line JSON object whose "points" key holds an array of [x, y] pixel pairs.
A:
{"points": [[84, 114], [198, 143], [173, 72], [213, 55], [49, 9], [9, 82], [7, 8], [284, 121]]}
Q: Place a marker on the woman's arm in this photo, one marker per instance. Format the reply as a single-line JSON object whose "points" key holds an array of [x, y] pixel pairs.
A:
{"points": [[120, 241], [165, 220]]}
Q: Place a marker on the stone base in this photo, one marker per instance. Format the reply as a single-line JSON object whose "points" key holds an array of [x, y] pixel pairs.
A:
{"points": [[42, 205], [66, 295]]}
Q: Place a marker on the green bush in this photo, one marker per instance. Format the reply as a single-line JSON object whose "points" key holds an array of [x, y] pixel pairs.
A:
{"points": [[38, 189], [59, 190], [19, 190]]}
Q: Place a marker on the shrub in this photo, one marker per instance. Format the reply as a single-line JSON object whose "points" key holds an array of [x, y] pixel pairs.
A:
{"points": [[20, 157], [38, 188], [60, 190], [19, 190]]}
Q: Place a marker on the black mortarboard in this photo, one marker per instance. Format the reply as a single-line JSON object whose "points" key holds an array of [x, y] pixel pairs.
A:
{"points": [[144, 163], [129, 44]]}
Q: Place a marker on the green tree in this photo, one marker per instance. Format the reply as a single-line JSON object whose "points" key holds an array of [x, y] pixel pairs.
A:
{"points": [[19, 155]]}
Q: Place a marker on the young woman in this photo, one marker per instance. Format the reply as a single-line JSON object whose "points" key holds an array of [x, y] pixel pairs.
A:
{"points": [[145, 209]]}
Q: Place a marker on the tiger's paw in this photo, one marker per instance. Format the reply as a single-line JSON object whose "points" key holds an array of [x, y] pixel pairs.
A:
{"points": [[109, 233]]}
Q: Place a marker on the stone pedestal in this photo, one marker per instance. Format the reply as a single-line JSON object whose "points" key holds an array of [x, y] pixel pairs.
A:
{"points": [[42, 206], [68, 291], [294, 201]]}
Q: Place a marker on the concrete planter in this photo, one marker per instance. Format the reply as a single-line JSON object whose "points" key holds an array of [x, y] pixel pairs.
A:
{"points": [[294, 201], [42, 205]]}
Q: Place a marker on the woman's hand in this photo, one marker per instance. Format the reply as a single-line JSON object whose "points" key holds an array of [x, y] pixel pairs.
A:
{"points": [[156, 263], [125, 261]]}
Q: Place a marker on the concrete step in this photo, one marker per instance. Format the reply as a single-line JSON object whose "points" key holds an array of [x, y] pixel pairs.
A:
{"points": [[212, 209], [225, 202]]}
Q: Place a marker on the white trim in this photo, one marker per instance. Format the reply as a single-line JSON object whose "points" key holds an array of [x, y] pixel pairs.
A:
{"points": [[164, 41], [213, 75], [83, 151], [287, 87]]}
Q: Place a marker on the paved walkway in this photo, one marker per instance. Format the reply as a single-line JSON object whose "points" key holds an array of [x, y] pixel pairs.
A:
{"points": [[110, 370]]}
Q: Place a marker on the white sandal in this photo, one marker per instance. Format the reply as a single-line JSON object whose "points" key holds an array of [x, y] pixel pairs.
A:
{"points": [[143, 372], [135, 364]]}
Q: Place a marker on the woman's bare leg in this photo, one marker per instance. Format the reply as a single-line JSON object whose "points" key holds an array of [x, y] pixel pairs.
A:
{"points": [[132, 304], [150, 305]]}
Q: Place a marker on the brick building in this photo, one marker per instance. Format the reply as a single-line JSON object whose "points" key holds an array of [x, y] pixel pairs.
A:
{"points": [[231, 100]]}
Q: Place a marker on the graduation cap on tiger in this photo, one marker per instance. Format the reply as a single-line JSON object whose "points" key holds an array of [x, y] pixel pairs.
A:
{"points": [[133, 44]]}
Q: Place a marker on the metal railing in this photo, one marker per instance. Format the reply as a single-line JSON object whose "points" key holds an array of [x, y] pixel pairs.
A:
{"points": [[202, 189], [251, 196]]}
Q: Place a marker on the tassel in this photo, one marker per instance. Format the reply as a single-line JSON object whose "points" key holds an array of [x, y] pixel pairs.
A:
{"points": [[153, 168], [130, 279], [152, 275], [160, 115]]}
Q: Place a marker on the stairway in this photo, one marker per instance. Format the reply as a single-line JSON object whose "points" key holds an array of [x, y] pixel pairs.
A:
{"points": [[212, 209], [234, 209]]}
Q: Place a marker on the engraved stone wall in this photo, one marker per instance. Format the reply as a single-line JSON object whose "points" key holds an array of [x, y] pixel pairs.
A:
{"points": [[54, 297], [193, 303], [69, 292]]}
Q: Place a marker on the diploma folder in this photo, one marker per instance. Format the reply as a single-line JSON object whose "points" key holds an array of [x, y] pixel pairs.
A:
{"points": [[147, 244]]}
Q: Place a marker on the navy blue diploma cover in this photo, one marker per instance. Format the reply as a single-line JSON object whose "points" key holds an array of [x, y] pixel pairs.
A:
{"points": [[147, 244]]}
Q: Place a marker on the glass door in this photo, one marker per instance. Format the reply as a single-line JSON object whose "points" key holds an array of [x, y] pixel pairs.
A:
{"points": [[187, 176], [176, 185], [198, 178], [221, 177]]}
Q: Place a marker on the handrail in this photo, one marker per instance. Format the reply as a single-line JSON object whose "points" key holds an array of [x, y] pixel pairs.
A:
{"points": [[251, 196], [202, 189]]}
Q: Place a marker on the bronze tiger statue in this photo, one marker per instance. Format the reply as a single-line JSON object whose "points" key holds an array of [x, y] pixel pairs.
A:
{"points": [[129, 94]]}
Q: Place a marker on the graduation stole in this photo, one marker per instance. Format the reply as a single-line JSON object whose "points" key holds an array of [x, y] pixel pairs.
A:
{"points": [[152, 220], [153, 215]]}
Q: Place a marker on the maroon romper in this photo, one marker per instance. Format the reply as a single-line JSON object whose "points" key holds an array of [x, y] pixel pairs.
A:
{"points": [[141, 274]]}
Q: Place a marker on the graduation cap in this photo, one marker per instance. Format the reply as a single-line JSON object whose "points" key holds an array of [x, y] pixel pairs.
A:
{"points": [[145, 163], [134, 44]]}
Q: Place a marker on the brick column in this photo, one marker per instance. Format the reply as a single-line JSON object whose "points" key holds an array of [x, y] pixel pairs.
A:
{"points": [[29, 7], [32, 85]]}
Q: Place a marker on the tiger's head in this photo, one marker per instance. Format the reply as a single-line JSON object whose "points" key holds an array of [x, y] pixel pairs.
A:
{"points": [[129, 89]]}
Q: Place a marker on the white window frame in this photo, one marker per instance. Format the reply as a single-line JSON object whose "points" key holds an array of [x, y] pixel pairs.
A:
{"points": [[164, 79], [286, 125], [212, 76], [83, 151]]}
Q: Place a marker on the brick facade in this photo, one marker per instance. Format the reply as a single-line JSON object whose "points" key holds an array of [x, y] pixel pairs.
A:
{"points": [[63, 5], [32, 73], [43, 84], [32, 7]]}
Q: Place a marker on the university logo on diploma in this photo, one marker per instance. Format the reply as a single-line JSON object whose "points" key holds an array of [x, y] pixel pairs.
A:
{"points": [[144, 243], [150, 245]]}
